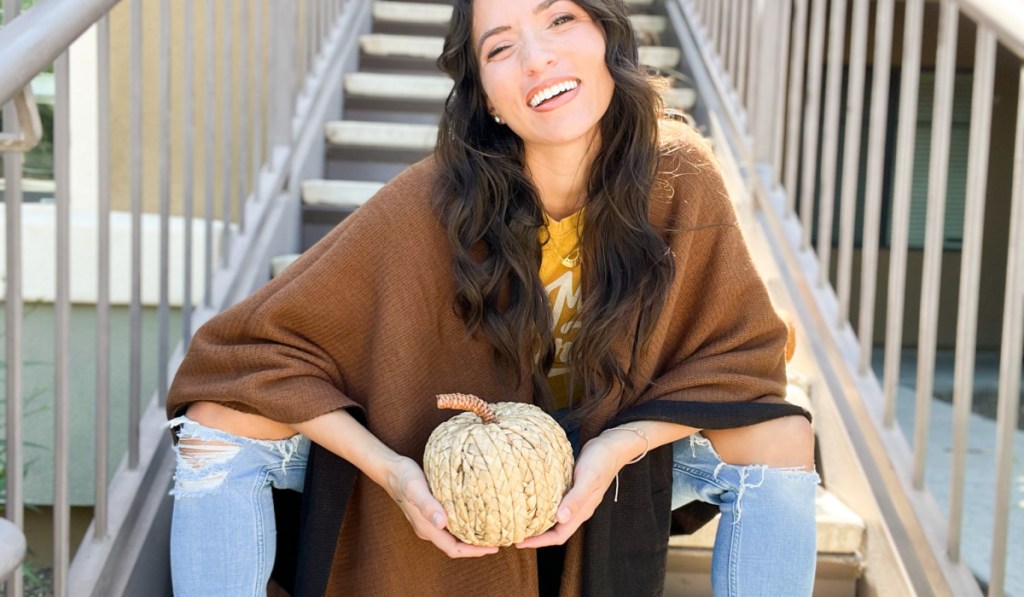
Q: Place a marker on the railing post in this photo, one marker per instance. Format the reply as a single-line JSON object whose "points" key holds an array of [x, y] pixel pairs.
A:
{"points": [[14, 409]]}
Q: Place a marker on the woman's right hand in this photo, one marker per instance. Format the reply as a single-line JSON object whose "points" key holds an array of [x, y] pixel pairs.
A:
{"points": [[399, 475], [407, 485]]}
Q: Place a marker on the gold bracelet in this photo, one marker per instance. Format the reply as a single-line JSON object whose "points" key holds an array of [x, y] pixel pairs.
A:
{"points": [[647, 448]]}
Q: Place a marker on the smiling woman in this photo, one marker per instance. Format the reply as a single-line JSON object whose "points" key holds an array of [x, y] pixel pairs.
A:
{"points": [[568, 245]]}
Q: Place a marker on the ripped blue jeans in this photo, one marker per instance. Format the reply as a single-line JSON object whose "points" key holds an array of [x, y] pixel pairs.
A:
{"points": [[223, 533], [766, 536]]}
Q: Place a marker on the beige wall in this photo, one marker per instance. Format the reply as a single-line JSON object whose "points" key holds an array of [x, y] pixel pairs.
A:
{"points": [[121, 104]]}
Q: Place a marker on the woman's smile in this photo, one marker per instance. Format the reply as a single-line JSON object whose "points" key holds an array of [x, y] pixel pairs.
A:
{"points": [[550, 96]]}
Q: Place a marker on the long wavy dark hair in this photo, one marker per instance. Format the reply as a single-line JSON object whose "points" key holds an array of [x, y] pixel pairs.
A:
{"points": [[493, 214]]}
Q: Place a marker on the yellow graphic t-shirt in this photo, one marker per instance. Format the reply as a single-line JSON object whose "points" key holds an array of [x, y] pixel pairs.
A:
{"points": [[560, 274]]}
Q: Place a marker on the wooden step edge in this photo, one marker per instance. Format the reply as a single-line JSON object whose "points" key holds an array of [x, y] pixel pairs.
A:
{"points": [[840, 530], [382, 135], [338, 193], [280, 262], [412, 13], [397, 86]]}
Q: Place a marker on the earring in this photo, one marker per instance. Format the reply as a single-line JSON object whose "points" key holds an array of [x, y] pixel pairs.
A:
{"points": [[498, 119]]}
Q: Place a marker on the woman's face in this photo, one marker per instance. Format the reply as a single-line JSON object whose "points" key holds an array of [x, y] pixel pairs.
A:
{"points": [[542, 67]]}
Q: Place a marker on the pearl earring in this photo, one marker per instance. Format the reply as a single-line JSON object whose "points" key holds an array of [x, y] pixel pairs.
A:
{"points": [[498, 119]]}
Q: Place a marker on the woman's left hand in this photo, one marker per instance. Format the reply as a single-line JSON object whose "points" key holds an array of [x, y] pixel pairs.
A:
{"points": [[595, 470]]}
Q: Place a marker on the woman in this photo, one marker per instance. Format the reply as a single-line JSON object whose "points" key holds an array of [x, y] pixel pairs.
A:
{"points": [[554, 197]]}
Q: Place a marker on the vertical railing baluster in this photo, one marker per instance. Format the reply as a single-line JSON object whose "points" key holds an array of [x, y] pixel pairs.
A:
{"points": [[785, 18], [14, 509], [734, 38], [258, 98], [713, 20], [830, 138], [970, 273], [307, 6], [188, 137], [101, 511], [905, 139], [135, 375], [739, 78], [1009, 361], [320, 33], [244, 134], [164, 93], [300, 49], [227, 128], [812, 110], [851, 156], [873, 181], [62, 325], [796, 102], [209, 151], [938, 164]]}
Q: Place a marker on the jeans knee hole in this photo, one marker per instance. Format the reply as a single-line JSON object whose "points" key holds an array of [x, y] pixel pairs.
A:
{"points": [[202, 465]]}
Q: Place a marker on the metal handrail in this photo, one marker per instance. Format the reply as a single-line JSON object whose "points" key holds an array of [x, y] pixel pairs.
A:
{"points": [[1005, 19], [35, 39], [30, 128]]}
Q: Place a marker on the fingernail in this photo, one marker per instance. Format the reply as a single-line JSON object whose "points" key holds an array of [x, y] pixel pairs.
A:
{"points": [[438, 519], [563, 515]]}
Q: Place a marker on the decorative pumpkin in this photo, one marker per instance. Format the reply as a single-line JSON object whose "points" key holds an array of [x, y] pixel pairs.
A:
{"points": [[500, 470]]}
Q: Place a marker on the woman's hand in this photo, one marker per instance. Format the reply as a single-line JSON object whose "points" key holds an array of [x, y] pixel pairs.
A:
{"points": [[599, 462], [407, 485], [399, 475]]}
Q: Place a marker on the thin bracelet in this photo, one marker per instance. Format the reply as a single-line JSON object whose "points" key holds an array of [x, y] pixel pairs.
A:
{"points": [[647, 448]]}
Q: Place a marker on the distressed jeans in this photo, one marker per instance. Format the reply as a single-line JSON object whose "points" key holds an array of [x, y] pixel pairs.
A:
{"points": [[766, 535], [223, 534]]}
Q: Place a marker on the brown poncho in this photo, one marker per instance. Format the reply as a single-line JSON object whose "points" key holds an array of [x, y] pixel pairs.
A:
{"points": [[364, 321]]}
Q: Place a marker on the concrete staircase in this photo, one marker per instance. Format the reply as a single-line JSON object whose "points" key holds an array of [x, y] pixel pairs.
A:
{"points": [[391, 109], [393, 103]]}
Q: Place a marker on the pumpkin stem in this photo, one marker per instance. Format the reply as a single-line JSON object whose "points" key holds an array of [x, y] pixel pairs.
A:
{"points": [[467, 402]]}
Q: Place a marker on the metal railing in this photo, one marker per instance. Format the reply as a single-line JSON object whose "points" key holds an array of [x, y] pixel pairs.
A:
{"points": [[780, 67], [249, 100]]}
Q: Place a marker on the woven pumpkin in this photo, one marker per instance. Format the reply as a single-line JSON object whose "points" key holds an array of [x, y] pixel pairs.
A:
{"points": [[500, 470]]}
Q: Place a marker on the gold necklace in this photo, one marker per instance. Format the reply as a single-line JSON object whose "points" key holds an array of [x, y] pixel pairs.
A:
{"points": [[572, 259]]}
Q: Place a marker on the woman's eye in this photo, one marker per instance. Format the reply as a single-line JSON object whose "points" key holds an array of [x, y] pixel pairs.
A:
{"points": [[562, 19], [497, 50]]}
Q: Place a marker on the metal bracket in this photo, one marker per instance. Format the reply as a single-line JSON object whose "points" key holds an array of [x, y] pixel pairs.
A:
{"points": [[30, 128]]}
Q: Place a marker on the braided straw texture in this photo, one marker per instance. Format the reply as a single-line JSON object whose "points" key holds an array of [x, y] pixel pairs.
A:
{"points": [[499, 483]]}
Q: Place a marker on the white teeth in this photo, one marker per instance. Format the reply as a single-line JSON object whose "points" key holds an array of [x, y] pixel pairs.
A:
{"points": [[546, 94]]}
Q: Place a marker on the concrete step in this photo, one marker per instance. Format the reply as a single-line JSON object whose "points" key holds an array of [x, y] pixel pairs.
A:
{"points": [[839, 541], [338, 193], [680, 98], [410, 52], [840, 529], [354, 134], [660, 57], [325, 203], [279, 263], [420, 88], [401, 46]]}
